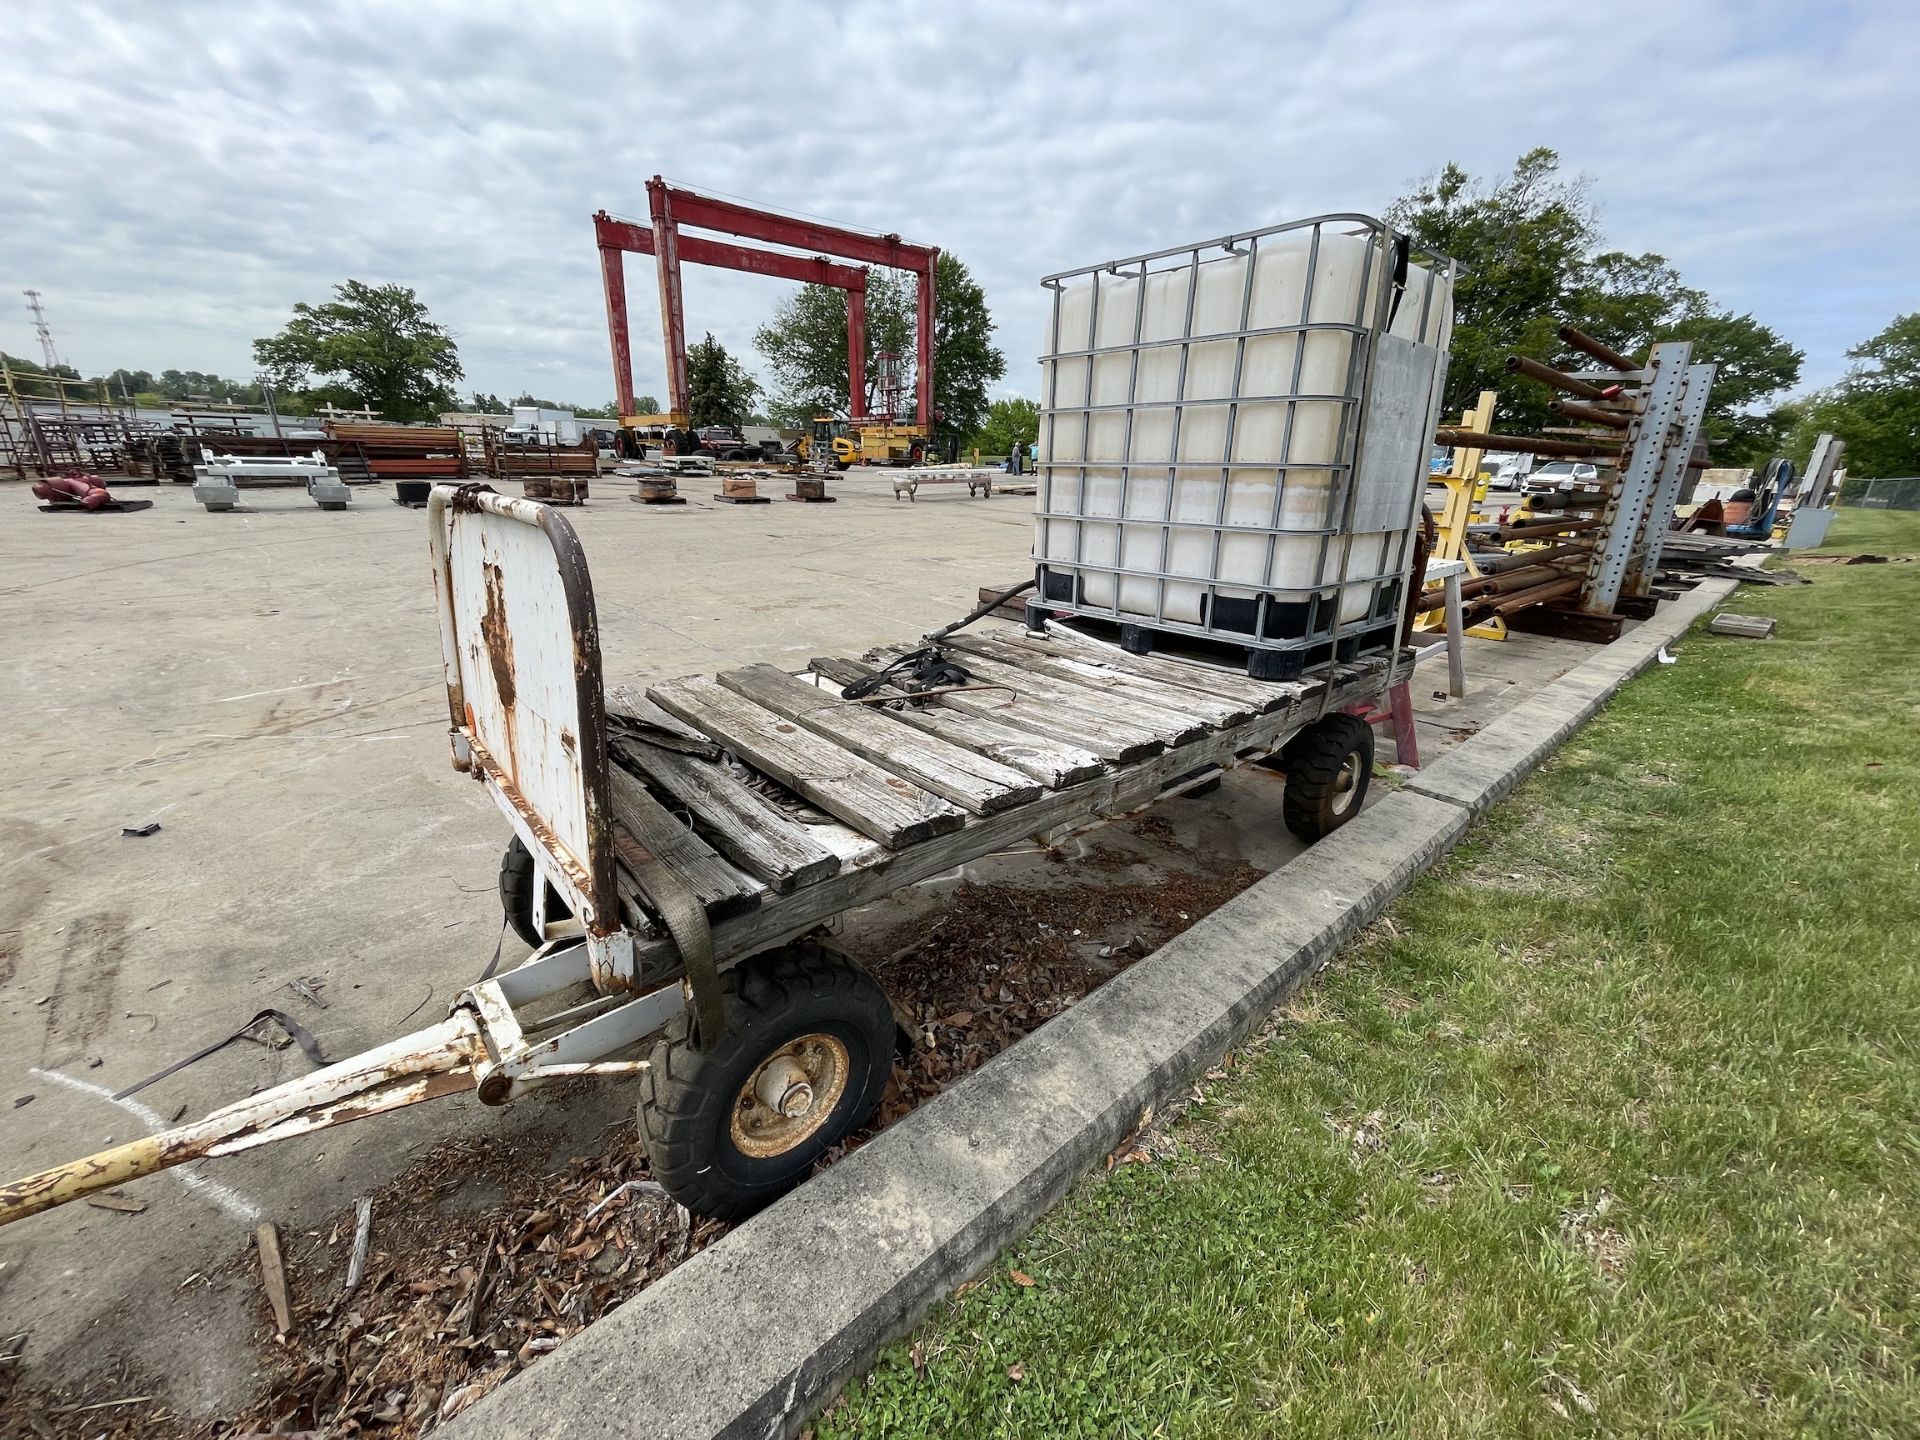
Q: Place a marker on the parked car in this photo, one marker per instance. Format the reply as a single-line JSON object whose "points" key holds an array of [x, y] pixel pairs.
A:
{"points": [[1561, 475]]}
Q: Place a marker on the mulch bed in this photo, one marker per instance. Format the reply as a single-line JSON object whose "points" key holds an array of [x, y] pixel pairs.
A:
{"points": [[453, 1300]]}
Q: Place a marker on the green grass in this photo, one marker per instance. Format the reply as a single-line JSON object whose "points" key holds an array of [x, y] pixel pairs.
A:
{"points": [[1610, 1128], [1883, 532]]}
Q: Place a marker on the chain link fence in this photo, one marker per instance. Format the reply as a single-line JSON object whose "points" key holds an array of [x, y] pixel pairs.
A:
{"points": [[1903, 494]]}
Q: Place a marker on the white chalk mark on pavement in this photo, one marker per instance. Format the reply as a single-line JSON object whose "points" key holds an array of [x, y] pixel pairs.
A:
{"points": [[231, 1201]]}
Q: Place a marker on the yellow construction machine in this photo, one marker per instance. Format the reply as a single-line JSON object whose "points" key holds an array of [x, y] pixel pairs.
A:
{"points": [[875, 442]]}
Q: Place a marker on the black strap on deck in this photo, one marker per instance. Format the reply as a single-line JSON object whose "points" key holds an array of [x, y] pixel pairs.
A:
{"points": [[673, 900]]}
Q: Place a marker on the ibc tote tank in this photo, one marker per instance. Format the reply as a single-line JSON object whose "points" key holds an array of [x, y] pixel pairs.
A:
{"points": [[1234, 439]]}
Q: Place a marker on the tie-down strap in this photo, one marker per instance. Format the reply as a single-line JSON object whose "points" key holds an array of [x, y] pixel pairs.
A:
{"points": [[673, 900]]}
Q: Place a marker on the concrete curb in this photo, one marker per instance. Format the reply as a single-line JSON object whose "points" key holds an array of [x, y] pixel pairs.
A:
{"points": [[749, 1337], [1481, 772]]}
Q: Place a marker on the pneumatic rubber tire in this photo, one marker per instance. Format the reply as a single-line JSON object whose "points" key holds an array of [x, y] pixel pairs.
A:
{"points": [[690, 1101], [518, 874], [1328, 767]]}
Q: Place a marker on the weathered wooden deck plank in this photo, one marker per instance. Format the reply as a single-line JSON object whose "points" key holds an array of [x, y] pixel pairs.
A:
{"points": [[1107, 712], [737, 820], [1213, 709], [1052, 762], [647, 835], [1113, 743], [970, 780], [877, 804], [1265, 696]]}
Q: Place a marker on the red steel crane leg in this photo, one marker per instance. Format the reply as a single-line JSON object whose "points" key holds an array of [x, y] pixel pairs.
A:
{"points": [[857, 355], [613, 278], [923, 348], [673, 319]]}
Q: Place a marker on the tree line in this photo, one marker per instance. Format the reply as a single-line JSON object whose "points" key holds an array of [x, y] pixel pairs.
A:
{"points": [[1531, 251]]}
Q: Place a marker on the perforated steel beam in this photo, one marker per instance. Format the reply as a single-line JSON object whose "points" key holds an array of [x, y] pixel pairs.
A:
{"points": [[1673, 474], [1640, 471]]}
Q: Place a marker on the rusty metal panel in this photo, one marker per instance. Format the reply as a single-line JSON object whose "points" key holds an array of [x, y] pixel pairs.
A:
{"points": [[523, 680]]}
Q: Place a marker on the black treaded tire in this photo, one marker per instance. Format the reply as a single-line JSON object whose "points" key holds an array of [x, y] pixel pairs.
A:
{"points": [[1328, 765], [517, 876], [689, 1098]]}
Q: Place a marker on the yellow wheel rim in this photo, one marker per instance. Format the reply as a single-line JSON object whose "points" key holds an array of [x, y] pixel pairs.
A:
{"points": [[789, 1096]]}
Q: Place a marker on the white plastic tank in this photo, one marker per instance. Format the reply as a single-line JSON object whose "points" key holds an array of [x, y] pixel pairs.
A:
{"points": [[1175, 476]]}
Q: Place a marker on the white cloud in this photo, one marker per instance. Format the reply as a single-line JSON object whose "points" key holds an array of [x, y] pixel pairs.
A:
{"points": [[175, 177]]}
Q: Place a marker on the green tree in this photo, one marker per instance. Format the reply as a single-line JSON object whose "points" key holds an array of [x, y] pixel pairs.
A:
{"points": [[1008, 422], [642, 405], [1875, 408], [719, 392], [132, 383], [1753, 364], [1521, 242], [805, 345], [22, 366], [965, 360], [378, 340], [1529, 247]]}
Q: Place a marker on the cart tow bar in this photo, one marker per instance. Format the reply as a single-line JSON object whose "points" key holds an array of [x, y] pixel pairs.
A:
{"points": [[425, 1065]]}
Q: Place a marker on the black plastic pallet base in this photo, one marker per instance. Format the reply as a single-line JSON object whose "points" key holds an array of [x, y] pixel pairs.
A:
{"points": [[1262, 662], [746, 499], [815, 499], [658, 499]]}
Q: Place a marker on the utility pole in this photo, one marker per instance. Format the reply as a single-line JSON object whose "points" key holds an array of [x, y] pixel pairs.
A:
{"points": [[48, 354]]}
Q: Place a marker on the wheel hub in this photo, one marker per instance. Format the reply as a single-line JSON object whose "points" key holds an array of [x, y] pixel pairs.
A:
{"points": [[1345, 783], [783, 1087], [790, 1095]]}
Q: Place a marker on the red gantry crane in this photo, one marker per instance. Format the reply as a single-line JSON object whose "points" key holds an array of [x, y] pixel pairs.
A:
{"points": [[672, 207]]}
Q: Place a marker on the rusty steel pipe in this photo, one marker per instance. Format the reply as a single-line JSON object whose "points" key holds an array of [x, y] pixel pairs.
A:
{"points": [[1550, 527], [1605, 354], [1573, 410], [1505, 583], [1526, 365], [1571, 500], [1454, 436], [1498, 562], [1487, 606], [1527, 576], [1539, 594]]}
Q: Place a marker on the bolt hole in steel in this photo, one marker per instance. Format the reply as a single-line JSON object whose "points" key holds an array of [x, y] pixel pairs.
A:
{"points": [[790, 1095], [1346, 784]]}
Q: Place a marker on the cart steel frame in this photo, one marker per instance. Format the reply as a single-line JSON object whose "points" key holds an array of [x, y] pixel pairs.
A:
{"points": [[529, 720]]}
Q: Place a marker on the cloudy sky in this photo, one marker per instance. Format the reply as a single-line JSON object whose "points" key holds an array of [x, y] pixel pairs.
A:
{"points": [[174, 177]]}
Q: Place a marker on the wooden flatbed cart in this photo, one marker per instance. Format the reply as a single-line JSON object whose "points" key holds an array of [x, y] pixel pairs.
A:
{"points": [[681, 953]]}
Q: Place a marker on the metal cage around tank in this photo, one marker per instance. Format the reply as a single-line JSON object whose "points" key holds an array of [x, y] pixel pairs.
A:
{"points": [[1294, 557]]}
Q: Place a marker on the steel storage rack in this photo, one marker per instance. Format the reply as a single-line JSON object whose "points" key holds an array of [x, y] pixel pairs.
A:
{"points": [[1234, 440]]}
